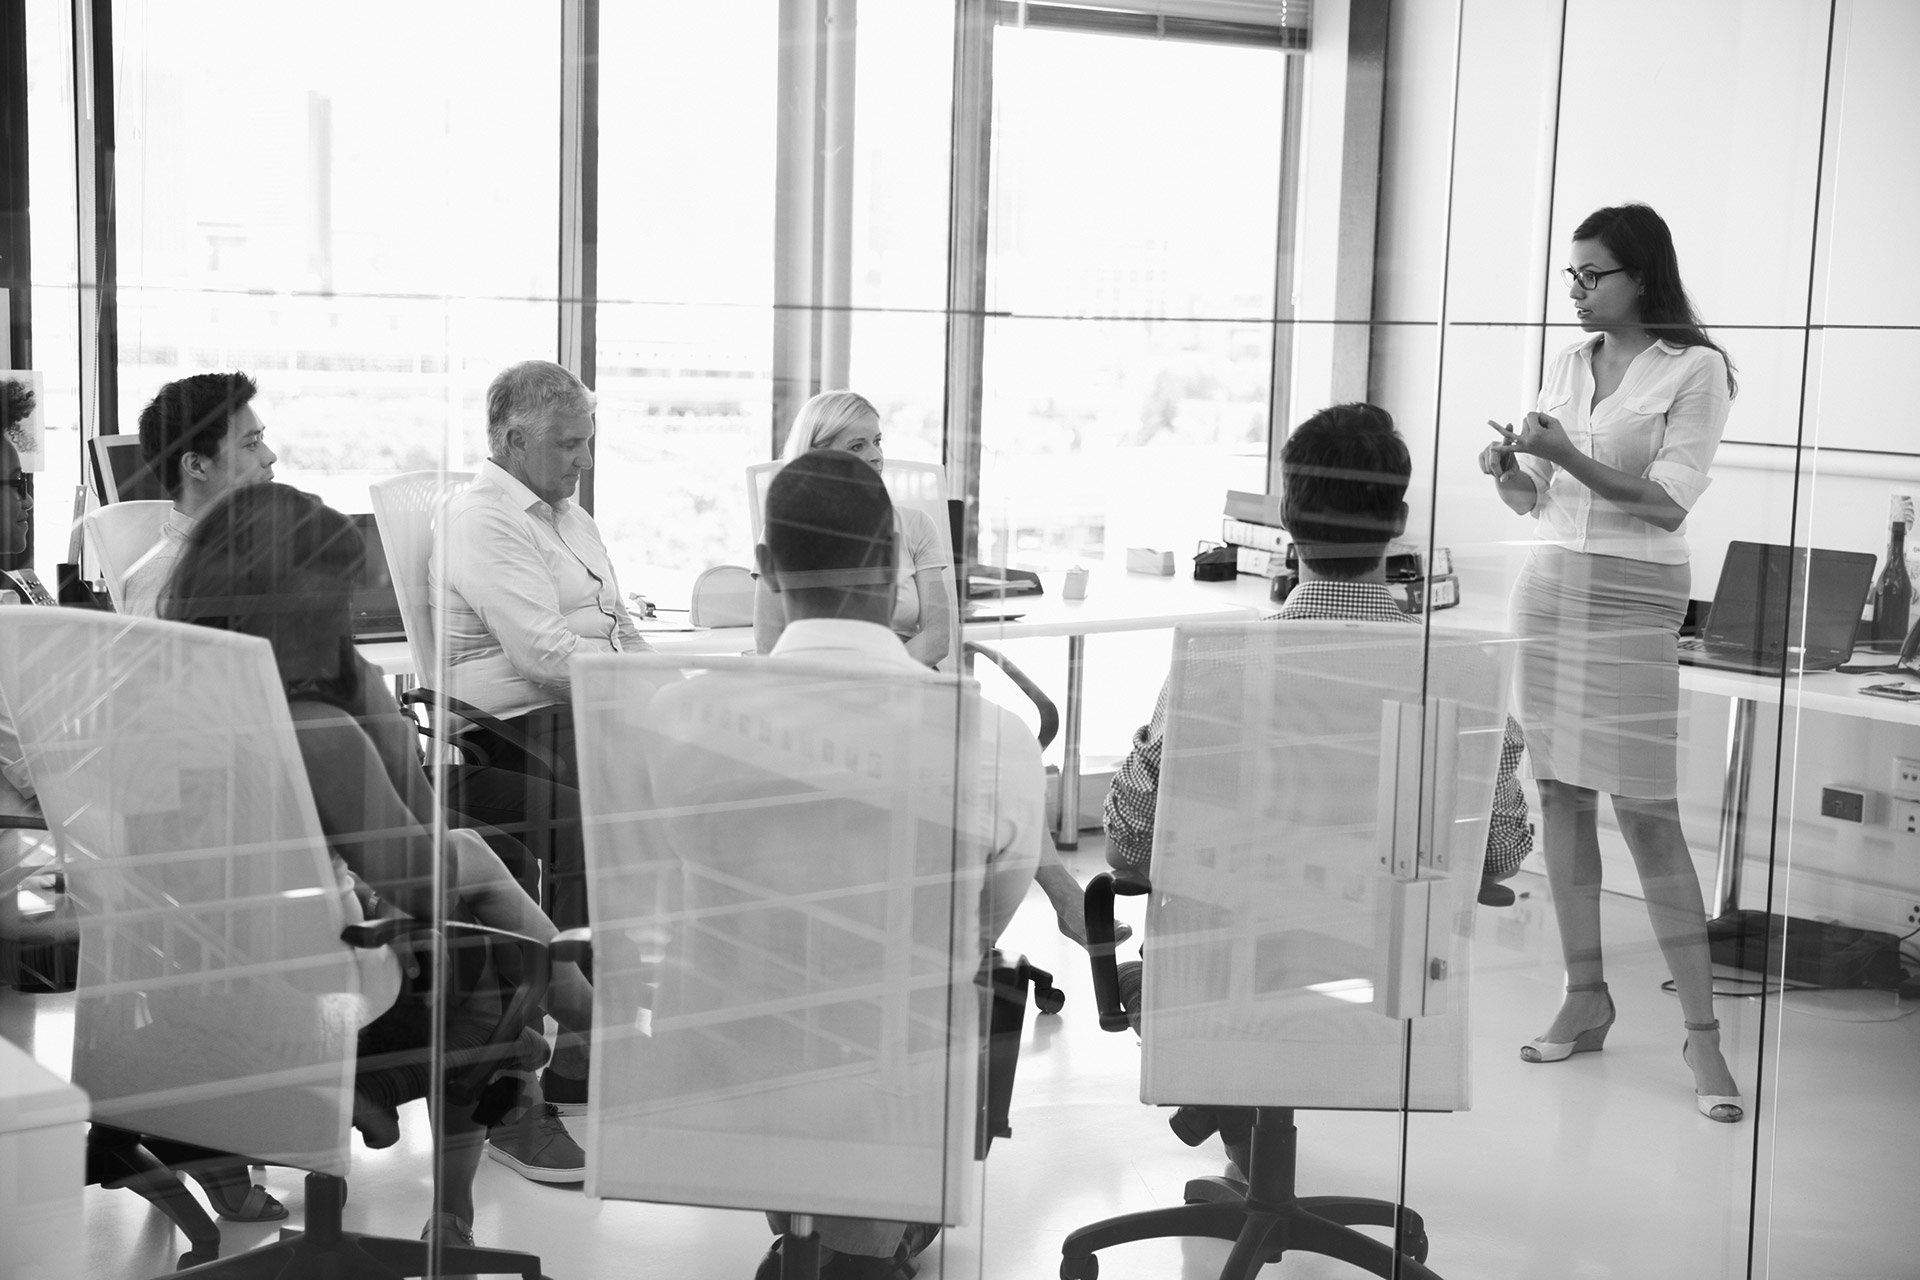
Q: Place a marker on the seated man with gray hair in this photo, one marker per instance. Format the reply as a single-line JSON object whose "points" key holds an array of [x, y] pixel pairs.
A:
{"points": [[519, 582]]}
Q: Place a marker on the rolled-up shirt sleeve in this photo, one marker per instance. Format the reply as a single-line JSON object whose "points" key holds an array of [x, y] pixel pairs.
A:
{"points": [[493, 563], [1694, 423], [1133, 799]]}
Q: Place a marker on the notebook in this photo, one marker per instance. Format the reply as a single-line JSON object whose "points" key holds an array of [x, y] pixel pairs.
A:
{"points": [[1783, 610]]}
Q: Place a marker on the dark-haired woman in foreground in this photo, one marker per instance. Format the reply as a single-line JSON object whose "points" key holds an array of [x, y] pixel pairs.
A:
{"points": [[1614, 456], [271, 561]]}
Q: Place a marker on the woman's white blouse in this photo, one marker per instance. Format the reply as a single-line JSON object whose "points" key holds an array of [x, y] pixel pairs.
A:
{"points": [[1663, 422]]}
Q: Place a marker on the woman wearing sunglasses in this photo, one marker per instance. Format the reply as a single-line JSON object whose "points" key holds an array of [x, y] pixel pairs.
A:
{"points": [[1609, 463]]}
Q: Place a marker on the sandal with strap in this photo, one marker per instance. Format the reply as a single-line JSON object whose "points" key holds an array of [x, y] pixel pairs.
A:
{"points": [[1589, 1041], [256, 1205], [1723, 1107]]}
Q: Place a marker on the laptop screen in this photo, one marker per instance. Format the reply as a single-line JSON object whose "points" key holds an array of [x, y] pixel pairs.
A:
{"points": [[1766, 591], [376, 607]]}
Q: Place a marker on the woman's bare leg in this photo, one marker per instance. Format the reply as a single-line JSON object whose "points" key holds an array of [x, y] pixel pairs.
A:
{"points": [[458, 1144], [1679, 915], [1571, 848], [495, 898]]}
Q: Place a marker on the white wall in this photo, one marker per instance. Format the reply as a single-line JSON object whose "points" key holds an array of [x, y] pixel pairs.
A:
{"points": [[1712, 112]]}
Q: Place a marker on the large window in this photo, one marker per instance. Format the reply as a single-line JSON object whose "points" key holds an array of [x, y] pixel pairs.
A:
{"points": [[357, 204], [1134, 225], [685, 351]]}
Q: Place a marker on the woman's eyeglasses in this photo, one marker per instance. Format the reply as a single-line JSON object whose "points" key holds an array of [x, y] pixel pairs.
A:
{"points": [[18, 484], [1587, 277]]}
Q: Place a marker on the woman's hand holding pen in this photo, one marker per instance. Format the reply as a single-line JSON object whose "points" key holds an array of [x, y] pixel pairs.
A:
{"points": [[1539, 434]]}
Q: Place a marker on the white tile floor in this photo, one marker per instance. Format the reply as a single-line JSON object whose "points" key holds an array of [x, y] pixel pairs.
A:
{"points": [[1597, 1167]]}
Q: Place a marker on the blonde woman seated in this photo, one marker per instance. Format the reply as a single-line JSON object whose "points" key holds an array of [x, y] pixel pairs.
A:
{"points": [[923, 605]]}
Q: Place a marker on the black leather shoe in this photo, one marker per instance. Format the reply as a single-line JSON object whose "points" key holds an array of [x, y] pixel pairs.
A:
{"points": [[1495, 894]]}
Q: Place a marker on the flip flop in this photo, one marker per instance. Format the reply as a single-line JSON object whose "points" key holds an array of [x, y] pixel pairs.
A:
{"points": [[257, 1205]]}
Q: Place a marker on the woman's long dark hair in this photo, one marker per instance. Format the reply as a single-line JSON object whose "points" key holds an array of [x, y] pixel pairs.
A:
{"points": [[268, 560], [1638, 239]]}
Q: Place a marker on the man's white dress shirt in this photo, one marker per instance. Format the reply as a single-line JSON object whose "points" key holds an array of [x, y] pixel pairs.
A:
{"points": [[1013, 781], [527, 585], [1662, 422], [140, 589]]}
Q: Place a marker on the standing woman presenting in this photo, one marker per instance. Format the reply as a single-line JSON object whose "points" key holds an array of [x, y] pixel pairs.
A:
{"points": [[1609, 464]]}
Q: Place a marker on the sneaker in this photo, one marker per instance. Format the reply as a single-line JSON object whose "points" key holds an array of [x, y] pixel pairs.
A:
{"points": [[565, 1094], [1495, 894], [538, 1147]]}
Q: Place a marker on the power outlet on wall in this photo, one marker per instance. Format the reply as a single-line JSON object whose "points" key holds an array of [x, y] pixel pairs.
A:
{"points": [[1906, 778], [1906, 817]]}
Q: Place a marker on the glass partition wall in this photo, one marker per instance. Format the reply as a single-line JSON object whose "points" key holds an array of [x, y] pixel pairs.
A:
{"points": [[1598, 105], [1099, 262]]}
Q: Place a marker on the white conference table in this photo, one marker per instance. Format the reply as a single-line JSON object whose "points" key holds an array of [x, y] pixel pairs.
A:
{"points": [[1119, 601], [1115, 601]]}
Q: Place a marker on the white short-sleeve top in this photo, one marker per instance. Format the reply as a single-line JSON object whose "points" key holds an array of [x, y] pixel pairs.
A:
{"points": [[917, 546], [1663, 422]]}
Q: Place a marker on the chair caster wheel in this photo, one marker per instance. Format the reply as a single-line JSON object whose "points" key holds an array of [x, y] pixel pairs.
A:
{"points": [[1079, 1267], [1049, 999]]}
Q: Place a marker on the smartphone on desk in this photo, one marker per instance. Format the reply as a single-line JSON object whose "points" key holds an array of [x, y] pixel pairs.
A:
{"points": [[1897, 692]]}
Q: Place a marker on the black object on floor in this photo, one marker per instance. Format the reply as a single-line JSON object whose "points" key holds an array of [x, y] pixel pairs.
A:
{"points": [[1805, 951], [1265, 1218], [323, 1249], [1495, 894]]}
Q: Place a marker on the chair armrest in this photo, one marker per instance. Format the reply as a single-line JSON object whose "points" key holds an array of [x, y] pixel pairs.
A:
{"points": [[374, 934], [440, 706], [1101, 945], [21, 822], [571, 946], [521, 961], [1049, 714]]}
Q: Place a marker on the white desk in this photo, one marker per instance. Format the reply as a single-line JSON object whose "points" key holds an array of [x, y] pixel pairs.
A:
{"points": [[1822, 693], [1115, 601]]}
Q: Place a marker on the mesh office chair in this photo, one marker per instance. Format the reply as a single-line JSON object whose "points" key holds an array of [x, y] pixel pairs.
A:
{"points": [[775, 846], [224, 970], [118, 534], [1324, 796], [404, 507]]}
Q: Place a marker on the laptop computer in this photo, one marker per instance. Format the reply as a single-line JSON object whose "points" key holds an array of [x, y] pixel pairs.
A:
{"points": [[376, 606], [1783, 610]]}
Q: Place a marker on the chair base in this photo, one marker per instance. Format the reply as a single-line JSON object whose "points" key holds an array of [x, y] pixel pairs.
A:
{"points": [[1265, 1219], [325, 1252]]}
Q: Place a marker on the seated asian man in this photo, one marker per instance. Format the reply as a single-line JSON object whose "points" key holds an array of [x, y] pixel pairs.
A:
{"points": [[202, 438], [829, 555]]}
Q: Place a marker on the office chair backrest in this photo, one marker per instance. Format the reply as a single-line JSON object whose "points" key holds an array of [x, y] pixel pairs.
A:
{"points": [[1281, 933], [216, 1003], [404, 509], [919, 485], [785, 835], [118, 535]]}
